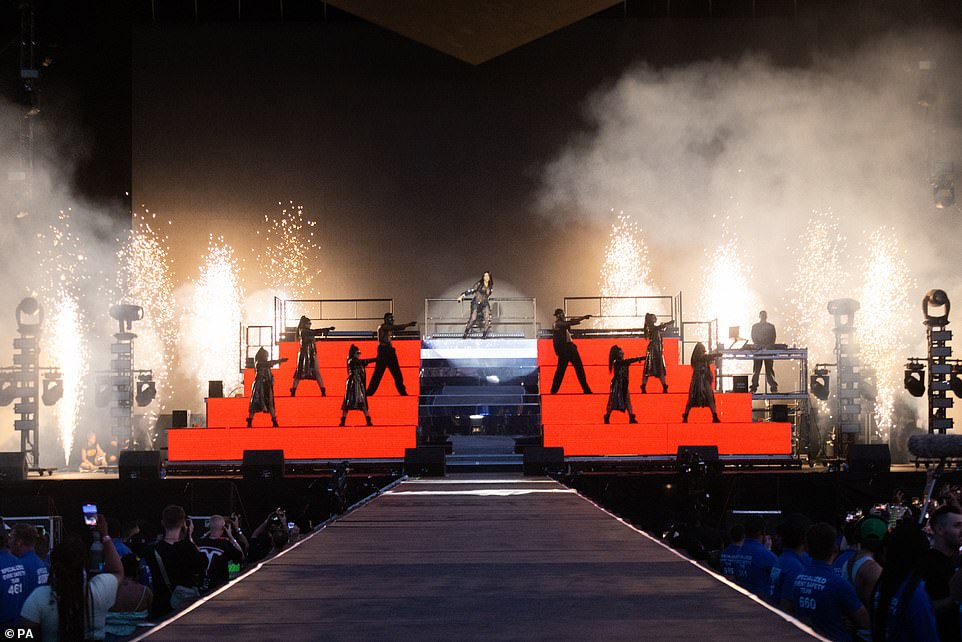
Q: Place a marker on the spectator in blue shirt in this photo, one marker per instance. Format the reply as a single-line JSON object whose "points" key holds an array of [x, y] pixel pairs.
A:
{"points": [[727, 557], [822, 598], [909, 616], [846, 547], [23, 543], [792, 560], [12, 575], [754, 562]]}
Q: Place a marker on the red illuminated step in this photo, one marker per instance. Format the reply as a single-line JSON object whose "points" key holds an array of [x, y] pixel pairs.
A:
{"points": [[594, 351], [311, 411], [333, 352], [649, 408], [599, 379], [738, 438], [229, 444], [335, 380]]}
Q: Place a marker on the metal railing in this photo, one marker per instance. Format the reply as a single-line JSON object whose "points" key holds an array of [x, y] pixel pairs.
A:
{"points": [[345, 314], [693, 332], [509, 316]]}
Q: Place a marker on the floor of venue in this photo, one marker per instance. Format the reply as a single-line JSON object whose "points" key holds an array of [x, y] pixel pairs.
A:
{"points": [[479, 557]]}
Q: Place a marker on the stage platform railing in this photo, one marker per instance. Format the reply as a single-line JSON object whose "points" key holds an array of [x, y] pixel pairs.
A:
{"points": [[348, 315], [622, 312], [511, 317]]}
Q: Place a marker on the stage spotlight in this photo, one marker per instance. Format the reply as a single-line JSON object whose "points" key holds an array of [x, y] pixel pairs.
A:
{"points": [[936, 299], [819, 384], [102, 392], [52, 389], [944, 194], [955, 383], [126, 314], [8, 391], [915, 378], [29, 316], [146, 390]]}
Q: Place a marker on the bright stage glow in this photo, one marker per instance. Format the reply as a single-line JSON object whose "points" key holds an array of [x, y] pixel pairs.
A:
{"points": [[626, 273], [884, 321], [68, 346], [288, 253], [726, 288], [210, 338]]}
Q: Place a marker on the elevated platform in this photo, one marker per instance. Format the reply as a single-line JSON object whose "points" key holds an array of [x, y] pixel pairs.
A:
{"points": [[649, 408], [480, 559], [311, 411]]}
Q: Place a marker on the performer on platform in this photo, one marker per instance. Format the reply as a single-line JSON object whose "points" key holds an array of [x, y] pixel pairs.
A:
{"points": [[480, 292], [92, 456], [618, 397], [655, 358], [307, 355], [262, 390], [566, 350], [763, 336], [700, 392], [355, 393], [387, 356]]}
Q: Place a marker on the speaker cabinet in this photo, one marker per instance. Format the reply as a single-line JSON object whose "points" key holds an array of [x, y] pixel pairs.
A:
{"points": [[215, 389], [426, 461], [180, 419], [707, 455], [869, 458], [263, 465], [13, 466], [539, 460], [740, 383], [139, 464]]}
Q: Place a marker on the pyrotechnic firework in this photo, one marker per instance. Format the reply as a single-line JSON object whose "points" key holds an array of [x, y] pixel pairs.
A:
{"points": [[883, 322], [287, 253], [145, 279], [210, 339], [726, 288], [625, 273]]}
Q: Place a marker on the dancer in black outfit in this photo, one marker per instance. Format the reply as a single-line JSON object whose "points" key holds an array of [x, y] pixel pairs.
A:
{"points": [[655, 358], [618, 397], [566, 350], [307, 355], [700, 392], [480, 316], [387, 356], [262, 390], [355, 393]]}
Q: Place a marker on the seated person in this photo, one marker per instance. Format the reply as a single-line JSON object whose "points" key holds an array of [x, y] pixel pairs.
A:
{"points": [[92, 456], [133, 601]]}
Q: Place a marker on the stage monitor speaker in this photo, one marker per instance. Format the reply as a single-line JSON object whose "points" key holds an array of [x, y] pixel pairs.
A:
{"points": [[215, 389], [538, 460], [740, 383], [780, 413], [869, 458], [263, 464], [13, 466], [180, 419], [426, 461], [139, 464], [693, 454]]}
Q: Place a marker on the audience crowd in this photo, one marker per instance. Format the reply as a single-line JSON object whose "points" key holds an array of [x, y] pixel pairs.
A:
{"points": [[106, 583]]}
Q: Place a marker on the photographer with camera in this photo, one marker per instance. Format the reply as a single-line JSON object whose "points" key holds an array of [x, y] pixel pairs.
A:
{"points": [[221, 547], [176, 564], [73, 605], [272, 536]]}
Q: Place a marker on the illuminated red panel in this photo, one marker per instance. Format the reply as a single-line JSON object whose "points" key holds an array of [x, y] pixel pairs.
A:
{"points": [[594, 351], [335, 379], [311, 411], [219, 444], [649, 408], [599, 379], [760, 438], [600, 439]]}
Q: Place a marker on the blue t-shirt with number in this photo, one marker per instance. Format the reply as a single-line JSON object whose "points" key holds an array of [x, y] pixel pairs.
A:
{"points": [[753, 567], [786, 569], [727, 559], [825, 600], [12, 575], [38, 572]]}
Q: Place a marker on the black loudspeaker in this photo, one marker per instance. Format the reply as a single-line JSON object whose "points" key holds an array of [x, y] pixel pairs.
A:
{"points": [[215, 389], [740, 383], [690, 455], [180, 419], [543, 461], [780, 413], [869, 458], [426, 461], [263, 464], [13, 466], [139, 464]]}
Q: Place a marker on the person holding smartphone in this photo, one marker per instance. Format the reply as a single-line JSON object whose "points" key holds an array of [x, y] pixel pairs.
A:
{"points": [[221, 547], [176, 564], [73, 606]]}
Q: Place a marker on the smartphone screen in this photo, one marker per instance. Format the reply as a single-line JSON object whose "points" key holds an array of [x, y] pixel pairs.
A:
{"points": [[90, 514], [290, 525]]}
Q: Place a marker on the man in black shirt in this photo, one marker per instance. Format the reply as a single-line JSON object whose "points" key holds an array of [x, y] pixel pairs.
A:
{"points": [[174, 561], [221, 548], [763, 336], [939, 564], [566, 350], [387, 356]]}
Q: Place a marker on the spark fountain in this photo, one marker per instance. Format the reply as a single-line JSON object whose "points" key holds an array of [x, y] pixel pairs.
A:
{"points": [[287, 250], [626, 272]]}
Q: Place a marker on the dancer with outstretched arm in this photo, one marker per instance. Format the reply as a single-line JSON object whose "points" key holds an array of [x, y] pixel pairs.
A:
{"points": [[262, 391], [480, 316], [307, 355], [655, 357], [355, 392], [618, 397], [567, 351], [387, 356], [701, 393]]}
